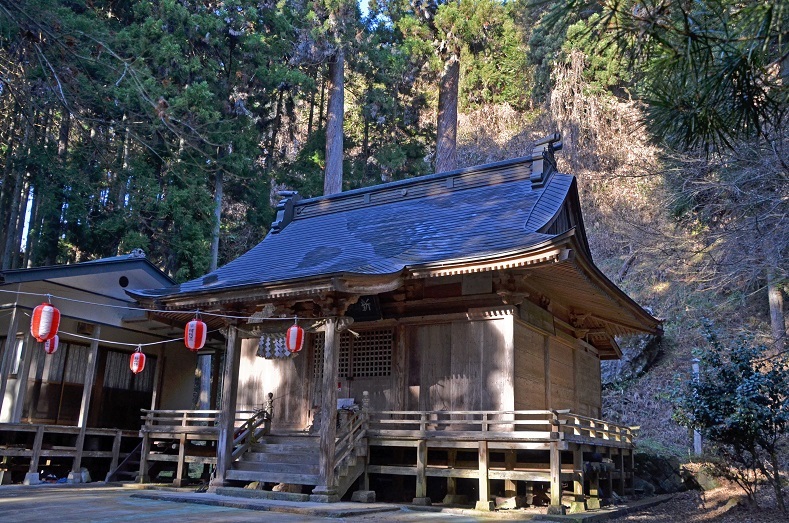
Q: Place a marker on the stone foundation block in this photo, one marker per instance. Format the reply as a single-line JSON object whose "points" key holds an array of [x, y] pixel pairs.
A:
{"points": [[363, 496]]}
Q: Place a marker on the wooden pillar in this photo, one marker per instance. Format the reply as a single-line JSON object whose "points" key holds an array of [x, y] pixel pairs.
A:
{"points": [[326, 492], [556, 479], [32, 477], [452, 496], [421, 474], [116, 452], [529, 493], [546, 352], [610, 475], [75, 476], [484, 502], [594, 491], [621, 462], [180, 466], [579, 501], [227, 418], [30, 348], [157, 377], [510, 488], [8, 353], [631, 474], [145, 447]]}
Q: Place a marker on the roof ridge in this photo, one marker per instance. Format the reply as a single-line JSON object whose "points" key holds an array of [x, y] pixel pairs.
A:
{"points": [[416, 180], [518, 169]]}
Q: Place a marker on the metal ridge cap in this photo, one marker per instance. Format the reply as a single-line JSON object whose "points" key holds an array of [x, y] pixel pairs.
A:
{"points": [[410, 181]]}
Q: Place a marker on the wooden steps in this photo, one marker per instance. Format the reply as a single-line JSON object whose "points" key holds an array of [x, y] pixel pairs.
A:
{"points": [[291, 459], [280, 458]]}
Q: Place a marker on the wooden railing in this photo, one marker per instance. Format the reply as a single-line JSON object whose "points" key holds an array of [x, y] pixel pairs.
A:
{"points": [[248, 433], [540, 425], [350, 435], [59, 441]]}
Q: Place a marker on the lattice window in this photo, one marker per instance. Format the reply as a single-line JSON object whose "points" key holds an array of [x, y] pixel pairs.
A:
{"points": [[372, 353], [369, 355]]}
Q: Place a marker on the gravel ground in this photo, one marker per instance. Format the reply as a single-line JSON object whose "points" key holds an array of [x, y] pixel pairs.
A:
{"points": [[714, 506]]}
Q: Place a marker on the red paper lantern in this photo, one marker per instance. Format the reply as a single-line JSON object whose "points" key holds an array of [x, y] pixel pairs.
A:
{"points": [[45, 322], [294, 339], [137, 361], [194, 335], [51, 345]]}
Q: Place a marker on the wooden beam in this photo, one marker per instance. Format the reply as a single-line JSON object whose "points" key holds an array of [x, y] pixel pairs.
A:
{"points": [[75, 476], [227, 418], [30, 348]]}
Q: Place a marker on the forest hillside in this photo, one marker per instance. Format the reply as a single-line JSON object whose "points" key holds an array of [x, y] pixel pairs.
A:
{"points": [[172, 126]]}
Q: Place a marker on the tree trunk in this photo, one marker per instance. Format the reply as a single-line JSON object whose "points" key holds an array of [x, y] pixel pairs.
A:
{"points": [[312, 106], [321, 114], [16, 195], [20, 226], [274, 130], [32, 233], [218, 188], [777, 322], [332, 182], [7, 180], [447, 125]]}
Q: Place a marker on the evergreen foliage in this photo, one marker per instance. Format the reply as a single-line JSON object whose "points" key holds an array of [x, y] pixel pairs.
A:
{"points": [[741, 406]]}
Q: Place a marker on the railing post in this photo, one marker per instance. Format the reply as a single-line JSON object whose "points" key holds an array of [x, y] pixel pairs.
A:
{"points": [[268, 405], [423, 421]]}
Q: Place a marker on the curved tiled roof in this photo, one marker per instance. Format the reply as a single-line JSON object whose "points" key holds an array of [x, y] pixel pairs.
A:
{"points": [[461, 215]]}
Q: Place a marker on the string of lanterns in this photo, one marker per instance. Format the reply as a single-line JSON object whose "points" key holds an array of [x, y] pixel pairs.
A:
{"points": [[46, 321]]}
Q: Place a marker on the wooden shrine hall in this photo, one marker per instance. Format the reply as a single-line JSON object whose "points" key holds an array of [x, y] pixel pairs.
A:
{"points": [[455, 327]]}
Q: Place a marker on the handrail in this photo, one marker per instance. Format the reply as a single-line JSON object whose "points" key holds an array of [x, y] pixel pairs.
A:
{"points": [[248, 433], [352, 433], [542, 424]]}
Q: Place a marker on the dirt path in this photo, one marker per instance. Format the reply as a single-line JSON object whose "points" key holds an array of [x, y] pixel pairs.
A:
{"points": [[714, 506]]}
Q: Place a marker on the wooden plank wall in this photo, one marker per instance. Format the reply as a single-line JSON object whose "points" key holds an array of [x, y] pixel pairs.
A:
{"points": [[529, 369], [461, 365], [587, 378], [562, 376], [573, 373], [288, 379]]}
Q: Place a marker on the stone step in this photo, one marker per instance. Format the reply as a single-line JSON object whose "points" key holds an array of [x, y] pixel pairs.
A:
{"points": [[289, 468], [273, 477], [261, 494]]}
